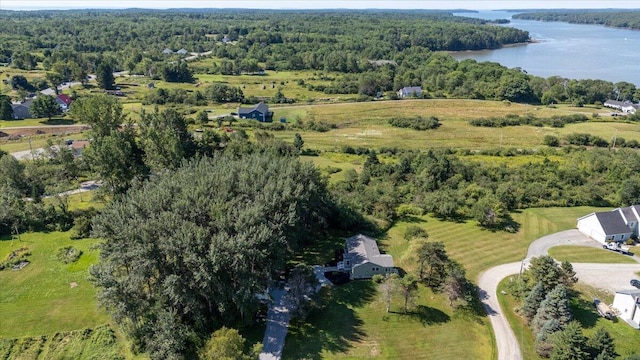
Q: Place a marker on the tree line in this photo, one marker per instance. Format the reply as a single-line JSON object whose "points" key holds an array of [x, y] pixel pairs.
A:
{"points": [[628, 19]]}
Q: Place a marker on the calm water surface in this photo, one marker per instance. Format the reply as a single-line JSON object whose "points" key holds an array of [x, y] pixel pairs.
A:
{"points": [[567, 50]]}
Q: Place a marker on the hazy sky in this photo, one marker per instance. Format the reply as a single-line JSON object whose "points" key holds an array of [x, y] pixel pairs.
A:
{"points": [[314, 4]]}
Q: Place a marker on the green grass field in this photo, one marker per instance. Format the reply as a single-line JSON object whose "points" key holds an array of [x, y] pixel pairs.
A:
{"points": [[354, 325], [40, 299], [588, 255]]}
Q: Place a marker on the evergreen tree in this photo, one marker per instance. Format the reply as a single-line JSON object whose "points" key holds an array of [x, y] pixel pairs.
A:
{"points": [[6, 111], [544, 270], [104, 76], [554, 306], [455, 284], [408, 286], [570, 343], [544, 339], [298, 143], [601, 346], [532, 302], [568, 275], [432, 263]]}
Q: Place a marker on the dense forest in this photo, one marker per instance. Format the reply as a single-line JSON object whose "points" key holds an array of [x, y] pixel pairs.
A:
{"points": [[629, 19]]}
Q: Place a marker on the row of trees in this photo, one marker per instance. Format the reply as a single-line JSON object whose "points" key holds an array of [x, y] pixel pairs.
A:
{"points": [[449, 186], [546, 308]]}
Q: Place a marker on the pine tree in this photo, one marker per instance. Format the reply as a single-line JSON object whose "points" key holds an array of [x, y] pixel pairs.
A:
{"points": [[570, 343], [601, 346], [532, 302], [554, 306], [544, 343]]}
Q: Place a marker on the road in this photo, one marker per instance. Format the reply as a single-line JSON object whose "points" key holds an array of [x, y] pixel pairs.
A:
{"points": [[609, 277], [277, 324]]}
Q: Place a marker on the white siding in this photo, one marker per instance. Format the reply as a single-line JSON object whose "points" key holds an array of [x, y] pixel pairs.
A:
{"points": [[367, 270], [625, 305], [590, 226]]}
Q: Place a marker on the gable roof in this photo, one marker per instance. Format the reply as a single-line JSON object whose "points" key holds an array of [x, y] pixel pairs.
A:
{"points": [[361, 249], [612, 222], [64, 98], [261, 108]]}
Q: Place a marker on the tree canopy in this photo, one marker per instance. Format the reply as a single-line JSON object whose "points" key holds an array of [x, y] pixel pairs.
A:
{"points": [[188, 252]]}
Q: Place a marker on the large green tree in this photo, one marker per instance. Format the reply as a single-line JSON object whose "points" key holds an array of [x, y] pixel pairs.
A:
{"points": [[114, 153], [45, 106], [104, 76], [188, 252], [6, 111], [165, 139]]}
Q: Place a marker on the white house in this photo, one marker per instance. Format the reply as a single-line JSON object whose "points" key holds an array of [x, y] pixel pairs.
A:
{"points": [[615, 225], [627, 304], [362, 258], [624, 106], [410, 91]]}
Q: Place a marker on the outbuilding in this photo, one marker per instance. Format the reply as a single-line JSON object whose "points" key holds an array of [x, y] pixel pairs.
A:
{"points": [[627, 305]]}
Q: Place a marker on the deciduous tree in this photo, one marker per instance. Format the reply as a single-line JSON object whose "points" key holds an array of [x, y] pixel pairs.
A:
{"points": [[45, 106]]}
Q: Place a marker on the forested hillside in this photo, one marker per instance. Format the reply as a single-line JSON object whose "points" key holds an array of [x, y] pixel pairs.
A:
{"points": [[615, 18]]}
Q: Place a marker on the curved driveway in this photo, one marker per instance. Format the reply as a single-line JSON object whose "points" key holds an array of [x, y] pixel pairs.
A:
{"points": [[604, 276]]}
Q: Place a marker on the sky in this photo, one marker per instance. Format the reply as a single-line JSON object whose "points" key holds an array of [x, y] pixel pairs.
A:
{"points": [[315, 4]]}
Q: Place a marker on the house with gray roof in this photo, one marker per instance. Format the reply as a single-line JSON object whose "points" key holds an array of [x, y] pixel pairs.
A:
{"points": [[22, 110], [616, 225], [362, 258], [259, 112], [626, 107], [627, 305]]}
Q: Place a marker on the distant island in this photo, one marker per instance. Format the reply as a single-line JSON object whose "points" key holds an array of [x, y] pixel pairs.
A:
{"points": [[618, 18]]}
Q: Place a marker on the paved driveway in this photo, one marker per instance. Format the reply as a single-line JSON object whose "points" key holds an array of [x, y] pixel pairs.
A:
{"points": [[277, 323], [610, 277]]}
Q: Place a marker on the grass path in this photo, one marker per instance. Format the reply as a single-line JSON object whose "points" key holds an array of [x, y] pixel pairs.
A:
{"points": [[588, 255]]}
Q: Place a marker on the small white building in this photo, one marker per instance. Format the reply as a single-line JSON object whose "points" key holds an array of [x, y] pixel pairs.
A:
{"points": [[615, 225], [362, 258], [627, 304]]}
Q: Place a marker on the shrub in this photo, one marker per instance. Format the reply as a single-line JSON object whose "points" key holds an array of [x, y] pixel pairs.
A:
{"points": [[414, 231], [68, 254]]}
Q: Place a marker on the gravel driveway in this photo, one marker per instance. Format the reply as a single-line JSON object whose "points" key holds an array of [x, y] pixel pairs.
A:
{"points": [[610, 277]]}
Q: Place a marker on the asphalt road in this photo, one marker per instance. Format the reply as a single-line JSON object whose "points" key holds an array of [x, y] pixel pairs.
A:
{"points": [[277, 324], [610, 277]]}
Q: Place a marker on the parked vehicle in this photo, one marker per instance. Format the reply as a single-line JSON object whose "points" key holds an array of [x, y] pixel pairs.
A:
{"points": [[635, 283], [603, 309], [615, 246]]}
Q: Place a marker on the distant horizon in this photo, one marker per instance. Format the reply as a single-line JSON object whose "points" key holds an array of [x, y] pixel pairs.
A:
{"points": [[32, 5]]}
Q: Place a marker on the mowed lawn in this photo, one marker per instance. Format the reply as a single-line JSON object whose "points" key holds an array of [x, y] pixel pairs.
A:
{"points": [[354, 324], [583, 254], [39, 299]]}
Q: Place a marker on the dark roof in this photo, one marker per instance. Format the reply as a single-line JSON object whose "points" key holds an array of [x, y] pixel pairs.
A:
{"points": [[261, 108], [629, 292], [65, 98], [612, 223], [628, 214]]}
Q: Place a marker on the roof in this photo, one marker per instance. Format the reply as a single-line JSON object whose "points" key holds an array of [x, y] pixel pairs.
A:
{"points": [[167, 51], [361, 249], [182, 51], [612, 223], [64, 98], [629, 292], [627, 213], [261, 108]]}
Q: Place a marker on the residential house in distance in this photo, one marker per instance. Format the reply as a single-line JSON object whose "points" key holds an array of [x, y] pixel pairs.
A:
{"points": [[167, 51], [623, 106], [22, 110], [182, 52], [259, 112], [627, 304], [409, 91], [362, 258], [615, 225], [64, 101]]}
